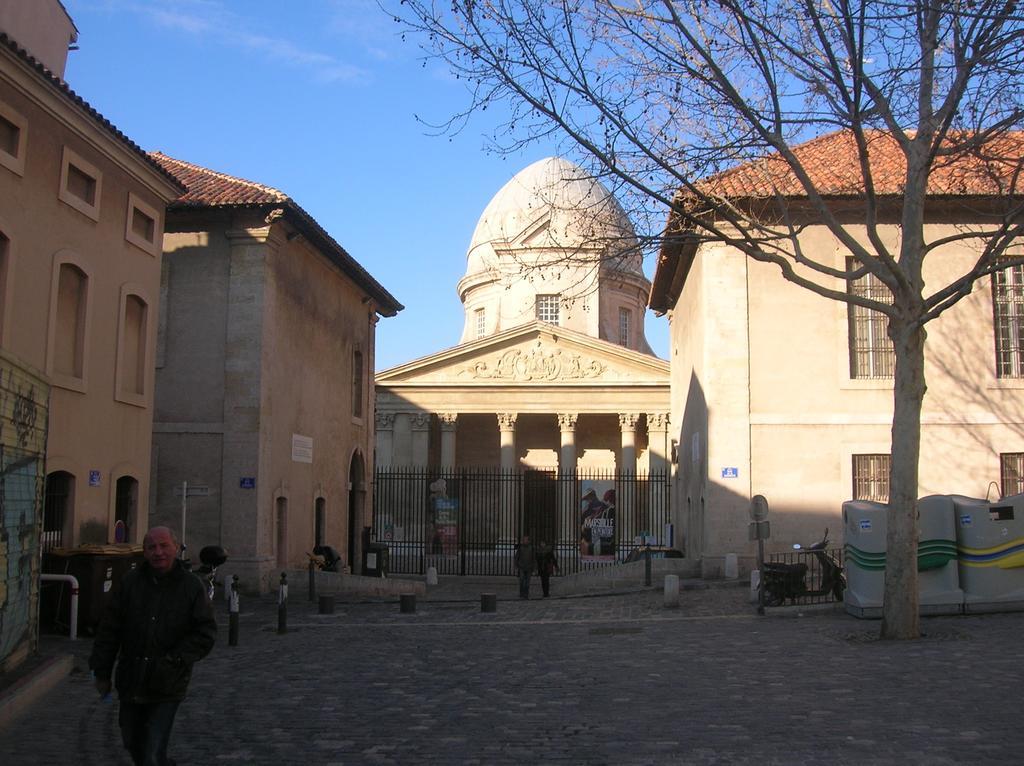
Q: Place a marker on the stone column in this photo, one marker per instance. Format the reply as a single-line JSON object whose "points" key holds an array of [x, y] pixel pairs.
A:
{"points": [[661, 470], [628, 520], [568, 517], [567, 428], [384, 429], [448, 423], [627, 455], [507, 429], [508, 503], [419, 423]]}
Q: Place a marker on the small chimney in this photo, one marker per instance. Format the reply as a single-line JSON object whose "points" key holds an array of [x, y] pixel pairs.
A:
{"points": [[42, 27]]}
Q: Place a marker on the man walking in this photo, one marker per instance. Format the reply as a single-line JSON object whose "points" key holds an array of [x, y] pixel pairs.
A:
{"points": [[159, 622], [524, 564]]}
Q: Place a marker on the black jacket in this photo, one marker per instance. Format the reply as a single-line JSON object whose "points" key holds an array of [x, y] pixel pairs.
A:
{"points": [[156, 628]]}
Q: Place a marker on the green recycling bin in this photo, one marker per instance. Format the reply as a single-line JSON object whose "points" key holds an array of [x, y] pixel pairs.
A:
{"points": [[990, 539], [864, 555]]}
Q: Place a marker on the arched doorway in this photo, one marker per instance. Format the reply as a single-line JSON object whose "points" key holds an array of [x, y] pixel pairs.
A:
{"points": [[57, 510], [126, 506], [356, 517]]}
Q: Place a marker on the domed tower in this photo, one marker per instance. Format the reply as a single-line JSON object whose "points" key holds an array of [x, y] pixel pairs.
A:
{"points": [[554, 245]]}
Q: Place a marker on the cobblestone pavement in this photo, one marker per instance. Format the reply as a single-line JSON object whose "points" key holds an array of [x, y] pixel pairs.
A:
{"points": [[616, 679]]}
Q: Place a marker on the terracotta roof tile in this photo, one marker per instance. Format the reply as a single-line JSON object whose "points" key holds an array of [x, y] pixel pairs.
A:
{"points": [[832, 165], [208, 188]]}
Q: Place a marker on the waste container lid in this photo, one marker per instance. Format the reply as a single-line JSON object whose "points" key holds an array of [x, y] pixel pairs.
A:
{"points": [[92, 549]]}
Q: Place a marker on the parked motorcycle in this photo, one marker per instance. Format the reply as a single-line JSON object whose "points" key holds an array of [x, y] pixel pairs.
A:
{"points": [[782, 581]]}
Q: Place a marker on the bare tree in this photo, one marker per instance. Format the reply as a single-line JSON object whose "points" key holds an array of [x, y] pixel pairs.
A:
{"points": [[664, 97]]}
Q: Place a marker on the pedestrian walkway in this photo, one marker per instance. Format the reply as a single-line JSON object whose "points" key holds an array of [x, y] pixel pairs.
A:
{"points": [[616, 679]]}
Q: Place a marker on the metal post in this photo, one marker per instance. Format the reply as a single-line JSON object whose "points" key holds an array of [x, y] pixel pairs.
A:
{"points": [[282, 605], [647, 566], [312, 580], [760, 575], [233, 613]]}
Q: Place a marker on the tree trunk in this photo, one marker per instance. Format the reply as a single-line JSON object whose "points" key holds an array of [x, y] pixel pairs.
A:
{"points": [[900, 611]]}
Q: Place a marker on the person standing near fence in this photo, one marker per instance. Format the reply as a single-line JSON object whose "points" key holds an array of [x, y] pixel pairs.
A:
{"points": [[525, 559], [547, 565], [158, 623]]}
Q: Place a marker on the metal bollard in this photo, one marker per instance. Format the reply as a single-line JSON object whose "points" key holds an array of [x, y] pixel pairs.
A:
{"points": [[488, 602], [312, 580], [326, 605], [408, 603], [282, 605], [233, 613]]}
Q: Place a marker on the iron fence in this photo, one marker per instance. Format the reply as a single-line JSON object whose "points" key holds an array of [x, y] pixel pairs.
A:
{"points": [[467, 521]]}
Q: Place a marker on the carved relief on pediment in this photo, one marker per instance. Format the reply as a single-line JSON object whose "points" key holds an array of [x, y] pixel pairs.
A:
{"points": [[537, 363]]}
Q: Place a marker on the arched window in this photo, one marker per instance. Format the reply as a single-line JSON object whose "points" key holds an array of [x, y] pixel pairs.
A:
{"points": [[131, 373], [357, 384], [282, 532], [69, 320], [319, 522]]}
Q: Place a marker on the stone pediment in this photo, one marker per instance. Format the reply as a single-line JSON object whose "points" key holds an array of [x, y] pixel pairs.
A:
{"points": [[536, 354]]}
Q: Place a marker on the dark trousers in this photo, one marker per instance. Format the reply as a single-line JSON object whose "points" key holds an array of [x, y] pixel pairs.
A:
{"points": [[545, 583], [146, 731], [524, 583]]}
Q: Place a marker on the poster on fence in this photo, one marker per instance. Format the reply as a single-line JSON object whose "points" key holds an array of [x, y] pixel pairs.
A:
{"points": [[597, 521], [444, 537]]}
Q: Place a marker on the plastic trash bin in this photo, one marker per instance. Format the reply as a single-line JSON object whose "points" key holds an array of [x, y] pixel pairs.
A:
{"points": [[97, 568], [990, 539], [864, 555]]}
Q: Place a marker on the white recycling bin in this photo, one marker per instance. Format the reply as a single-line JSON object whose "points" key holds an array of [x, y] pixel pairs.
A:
{"points": [[990, 538], [864, 557]]}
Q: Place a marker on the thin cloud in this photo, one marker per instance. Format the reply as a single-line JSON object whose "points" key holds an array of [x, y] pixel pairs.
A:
{"points": [[212, 20]]}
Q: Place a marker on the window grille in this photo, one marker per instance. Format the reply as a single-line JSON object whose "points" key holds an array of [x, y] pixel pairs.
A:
{"points": [[871, 351], [1011, 473], [625, 315], [547, 308], [481, 322], [1008, 321], [871, 477]]}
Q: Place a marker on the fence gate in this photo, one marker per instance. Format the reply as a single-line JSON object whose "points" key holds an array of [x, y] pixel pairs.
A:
{"points": [[466, 521]]}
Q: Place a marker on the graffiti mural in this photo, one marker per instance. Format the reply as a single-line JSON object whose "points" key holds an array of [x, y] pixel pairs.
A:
{"points": [[24, 398]]}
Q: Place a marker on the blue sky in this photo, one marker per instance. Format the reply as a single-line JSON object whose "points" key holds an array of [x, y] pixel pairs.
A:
{"points": [[319, 99]]}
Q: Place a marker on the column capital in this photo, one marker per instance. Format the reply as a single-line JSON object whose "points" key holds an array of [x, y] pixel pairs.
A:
{"points": [[419, 421], [507, 420], [657, 421], [384, 421], [567, 420], [628, 420], [448, 420]]}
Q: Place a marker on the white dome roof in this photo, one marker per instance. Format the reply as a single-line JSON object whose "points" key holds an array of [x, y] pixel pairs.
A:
{"points": [[552, 203]]}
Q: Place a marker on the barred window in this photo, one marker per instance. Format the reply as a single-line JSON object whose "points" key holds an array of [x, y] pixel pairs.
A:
{"points": [[481, 322], [871, 477], [1008, 321], [625, 317], [547, 308], [1011, 473], [871, 351], [357, 384]]}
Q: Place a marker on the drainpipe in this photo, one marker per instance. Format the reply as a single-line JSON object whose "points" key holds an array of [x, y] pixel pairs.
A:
{"points": [[74, 597]]}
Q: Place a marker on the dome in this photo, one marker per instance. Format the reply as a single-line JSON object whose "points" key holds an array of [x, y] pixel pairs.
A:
{"points": [[552, 203]]}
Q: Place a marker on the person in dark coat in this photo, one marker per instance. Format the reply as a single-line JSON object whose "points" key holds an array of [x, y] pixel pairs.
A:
{"points": [[158, 624], [547, 565], [525, 559]]}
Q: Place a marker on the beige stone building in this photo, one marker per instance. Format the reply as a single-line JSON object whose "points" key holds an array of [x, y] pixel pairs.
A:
{"points": [[780, 392], [263, 434], [553, 372], [81, 226]]}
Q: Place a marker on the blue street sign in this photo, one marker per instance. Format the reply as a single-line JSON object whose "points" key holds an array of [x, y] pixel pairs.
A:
{"points": [[247, 482], [730, 472]]}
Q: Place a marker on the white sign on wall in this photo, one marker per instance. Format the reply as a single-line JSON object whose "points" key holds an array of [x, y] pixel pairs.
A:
{"points": [[302, 449]]}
